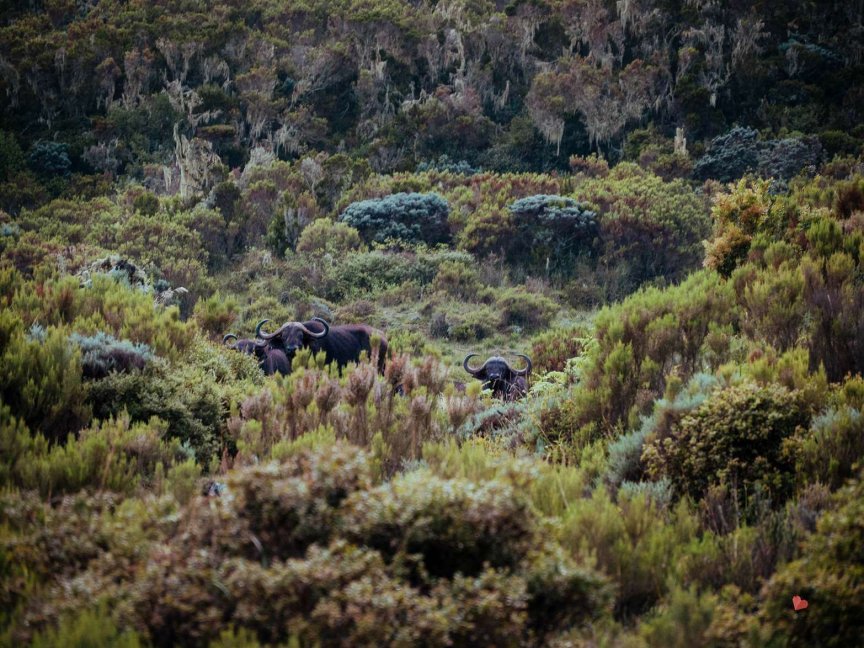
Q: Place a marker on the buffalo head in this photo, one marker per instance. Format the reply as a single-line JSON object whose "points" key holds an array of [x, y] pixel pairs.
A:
{"points": [[497, 374], [292, 336], [269, 359], [244, 345]]}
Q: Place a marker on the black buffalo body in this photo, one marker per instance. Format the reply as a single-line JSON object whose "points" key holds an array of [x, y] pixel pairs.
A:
{"points": [[271, 360], [340, 344], [506, 383]]}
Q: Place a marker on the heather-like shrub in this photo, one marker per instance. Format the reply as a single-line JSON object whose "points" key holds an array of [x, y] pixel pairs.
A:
{"points": [[551, 350], [11, 156], [216, 314], [635, 542], [323, 236], [40, 380], [739, 151], [457, 280], [450, 525], [93, 627], [551, 232], [827, 576], [528, 310], [477, 324], [49, 158], [637, 344], [363, 273], [192, 407], [102, 354], [111, 455], [649, 228], [832, 447], [735, 438], [410, 217]]}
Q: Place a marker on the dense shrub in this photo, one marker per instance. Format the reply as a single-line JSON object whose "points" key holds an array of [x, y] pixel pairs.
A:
{"points": [[739, 151], [637, 344], [833, 446], [112, 455], [476, 324], [827, 576], [192, 408], [736, 438], [410, 217], [49, 158], [429, 562], [326, 237], [457, 280], [216, 314], [551, 350], [453, 526], [103, 353], [738, 215], [634, 542], [551, 233], [41, 380], [649, 228], [528, 310]]}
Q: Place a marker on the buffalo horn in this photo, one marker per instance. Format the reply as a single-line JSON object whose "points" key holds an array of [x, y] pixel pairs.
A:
{"points": [[526, 370], [264, 336], [469, 368], [229, 336], [317, 335]]}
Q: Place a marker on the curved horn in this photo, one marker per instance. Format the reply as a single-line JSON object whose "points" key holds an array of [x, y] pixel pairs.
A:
{"points": [[526, 370], [229, 336], [471, 370], [317, 335], [264, 336]]}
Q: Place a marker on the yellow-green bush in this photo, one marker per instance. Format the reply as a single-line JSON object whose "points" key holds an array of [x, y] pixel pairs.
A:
{"points": [[736, 438], [40, 380], [828, 575]]}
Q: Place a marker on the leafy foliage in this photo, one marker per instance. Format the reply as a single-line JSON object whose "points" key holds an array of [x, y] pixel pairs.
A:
{"points": [[409, 217]]}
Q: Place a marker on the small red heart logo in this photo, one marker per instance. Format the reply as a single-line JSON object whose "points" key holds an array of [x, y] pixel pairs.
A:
{"points": [[799, 604]]}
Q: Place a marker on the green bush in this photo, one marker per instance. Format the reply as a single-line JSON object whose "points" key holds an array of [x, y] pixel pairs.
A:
{"points": [[457, 280], [735, 438], [103, 353], [111, 455], [326, 237], [192, 407], [638, 344], [41, 380], [410, 217], [49, 158], [93, 628], [551, 233], [450, 525], [650, 229], [528, 310], [216, 314], [477, 324], [635, 542], [551, 349], [828, 576], [833, 446]]}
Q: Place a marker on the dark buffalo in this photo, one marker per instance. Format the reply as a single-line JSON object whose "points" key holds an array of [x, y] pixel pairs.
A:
{"points": [[506, 383], [340, 344], [271, 361]]}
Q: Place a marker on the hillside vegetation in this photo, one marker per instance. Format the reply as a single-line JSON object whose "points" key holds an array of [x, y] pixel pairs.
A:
{"points": [[660, 202]]}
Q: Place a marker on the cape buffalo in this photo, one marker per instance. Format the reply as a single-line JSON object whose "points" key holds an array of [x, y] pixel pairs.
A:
{"points": [[506, 383], [341, 344], [270, 360]]}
